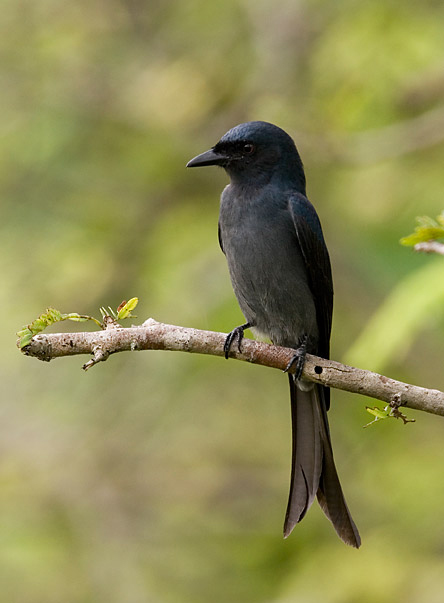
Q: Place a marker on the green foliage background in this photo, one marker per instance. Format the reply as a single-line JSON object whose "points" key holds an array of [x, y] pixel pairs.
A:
{"points": [[163, 477]]}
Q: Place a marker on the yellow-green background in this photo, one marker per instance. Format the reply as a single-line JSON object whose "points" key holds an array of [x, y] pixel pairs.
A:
{"points": [[163, 477]]}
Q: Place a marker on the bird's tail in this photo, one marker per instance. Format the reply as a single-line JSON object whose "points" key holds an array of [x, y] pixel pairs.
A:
{"points": [[313, 472]]}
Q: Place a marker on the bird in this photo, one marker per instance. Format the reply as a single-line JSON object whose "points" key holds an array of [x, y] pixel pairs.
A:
{"points": [[281, 274]]}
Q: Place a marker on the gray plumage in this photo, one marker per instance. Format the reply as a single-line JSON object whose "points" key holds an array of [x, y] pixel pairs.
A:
{"points": [[280, 271]]}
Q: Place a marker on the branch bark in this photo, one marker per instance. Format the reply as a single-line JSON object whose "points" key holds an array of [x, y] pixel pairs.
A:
{"points": [[430, 247], [153, 335]]}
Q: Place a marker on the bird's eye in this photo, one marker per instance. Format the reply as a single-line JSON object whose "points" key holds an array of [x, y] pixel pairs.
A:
{"points": [[248, 148]]}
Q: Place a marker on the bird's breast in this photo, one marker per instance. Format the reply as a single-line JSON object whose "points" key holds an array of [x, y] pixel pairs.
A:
{"points": [[266, 267]]}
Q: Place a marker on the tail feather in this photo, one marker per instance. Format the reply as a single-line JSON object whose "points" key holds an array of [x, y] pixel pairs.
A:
{"points": [[330, 496], [307, 455], [313, 471]]}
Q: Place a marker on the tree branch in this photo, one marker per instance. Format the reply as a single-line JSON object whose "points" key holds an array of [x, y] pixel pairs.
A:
{"points": [[153, 335], [430, 247]]}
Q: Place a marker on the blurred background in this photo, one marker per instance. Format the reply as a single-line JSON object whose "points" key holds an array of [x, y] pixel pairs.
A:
{"points": [[164, 477]]}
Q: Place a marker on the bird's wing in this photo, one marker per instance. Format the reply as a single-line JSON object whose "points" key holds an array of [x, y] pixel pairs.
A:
{"points": [[317, 262], [219, 235]]}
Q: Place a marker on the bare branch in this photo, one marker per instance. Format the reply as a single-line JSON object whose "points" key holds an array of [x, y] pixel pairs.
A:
{"points": [[153, 335], [430, 247]]}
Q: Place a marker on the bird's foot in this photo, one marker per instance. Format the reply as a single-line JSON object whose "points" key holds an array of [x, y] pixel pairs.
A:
{"points": [[299, 358], [237, 332]]}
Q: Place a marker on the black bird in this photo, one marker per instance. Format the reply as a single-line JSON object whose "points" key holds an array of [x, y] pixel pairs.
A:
{"points": [[281, 275]]}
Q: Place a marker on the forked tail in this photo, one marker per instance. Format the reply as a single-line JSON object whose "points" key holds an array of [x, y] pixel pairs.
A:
{"points": [[313, 472]]}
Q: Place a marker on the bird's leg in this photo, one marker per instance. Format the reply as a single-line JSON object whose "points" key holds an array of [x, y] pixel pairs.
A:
{"points": [[299, 358], [237, 332]]}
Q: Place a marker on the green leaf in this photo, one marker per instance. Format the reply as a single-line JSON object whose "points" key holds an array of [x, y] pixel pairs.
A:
{"points": [[426, 230], [391, 411], [76, 317], [125, 310], [39, 324], [45, 320], [25, 339], [52, 316], [377, 412]]}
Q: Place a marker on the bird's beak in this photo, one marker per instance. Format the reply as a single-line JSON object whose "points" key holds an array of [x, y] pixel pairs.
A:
{"points": [[208, 158]]}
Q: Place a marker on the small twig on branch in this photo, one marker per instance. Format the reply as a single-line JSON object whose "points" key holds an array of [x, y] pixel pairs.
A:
{"points": [[395, 412], [430, 247], [153, 335]]}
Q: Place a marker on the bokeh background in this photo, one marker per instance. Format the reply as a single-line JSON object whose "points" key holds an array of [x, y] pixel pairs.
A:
{"points": [[163, 477]]}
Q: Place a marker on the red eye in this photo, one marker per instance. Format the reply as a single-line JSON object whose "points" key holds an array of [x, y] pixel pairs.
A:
{"points": [[248, 149]]}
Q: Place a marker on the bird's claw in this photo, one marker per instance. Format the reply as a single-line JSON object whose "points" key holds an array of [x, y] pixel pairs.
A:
{"points": [[298, 359], [238, 333]]}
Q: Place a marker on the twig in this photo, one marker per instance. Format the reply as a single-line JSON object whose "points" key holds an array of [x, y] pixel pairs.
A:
{"points": [[153, 335], [395, 412], [430, 247]]}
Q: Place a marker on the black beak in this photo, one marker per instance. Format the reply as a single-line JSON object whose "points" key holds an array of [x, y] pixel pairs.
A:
{"points": [[208, 158]]}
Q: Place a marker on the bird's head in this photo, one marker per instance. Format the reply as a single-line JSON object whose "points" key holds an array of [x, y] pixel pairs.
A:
{"points": [[255, 151]]}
